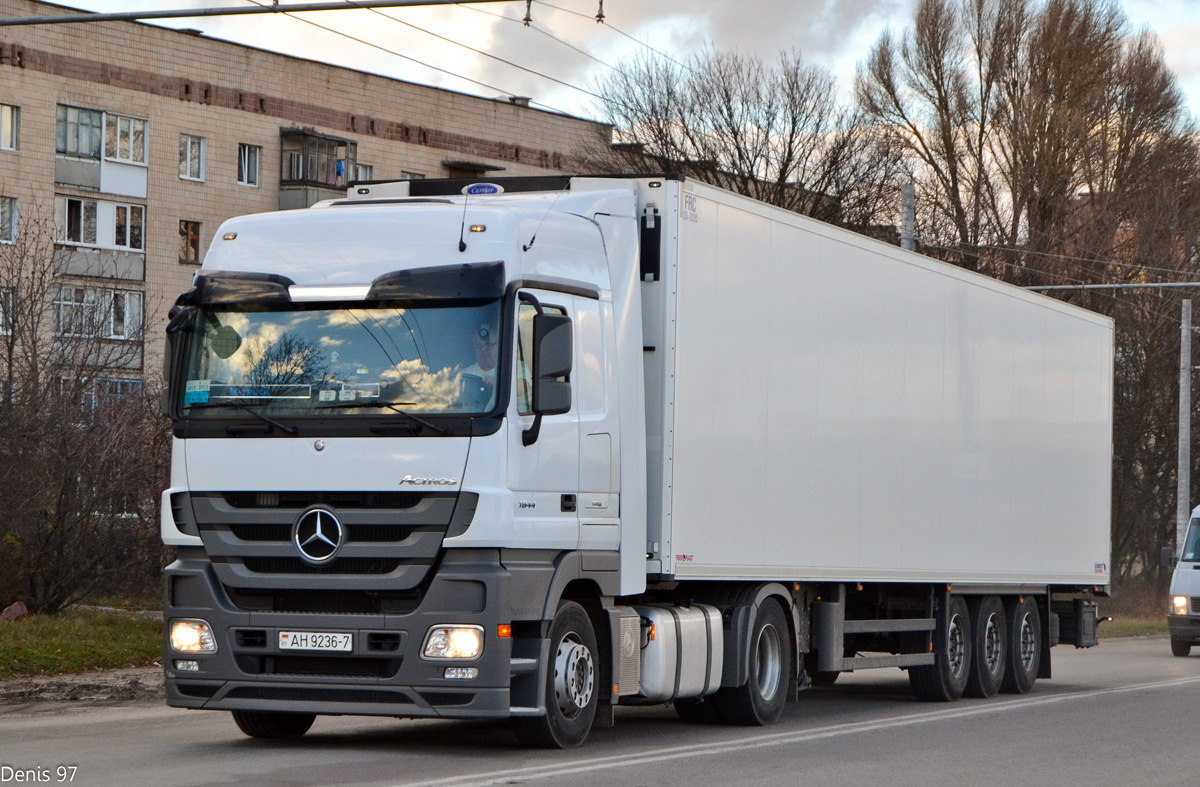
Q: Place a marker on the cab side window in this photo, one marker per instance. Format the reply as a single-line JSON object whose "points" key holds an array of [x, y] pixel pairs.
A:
{"points": [[525, 315]]}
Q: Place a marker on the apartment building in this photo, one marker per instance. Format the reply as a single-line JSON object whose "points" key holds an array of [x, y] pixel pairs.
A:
{"points": [[135, 142]]}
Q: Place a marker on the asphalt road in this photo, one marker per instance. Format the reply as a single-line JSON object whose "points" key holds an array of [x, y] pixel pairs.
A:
{"points": [[1123, 713]]}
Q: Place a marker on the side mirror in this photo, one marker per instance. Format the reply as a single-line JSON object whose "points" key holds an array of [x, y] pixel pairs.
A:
{"points": [[551, 360], [1168, 557]]}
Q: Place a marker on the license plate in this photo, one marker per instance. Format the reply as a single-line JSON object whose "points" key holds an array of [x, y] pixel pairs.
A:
{"points": [[316, 640]]}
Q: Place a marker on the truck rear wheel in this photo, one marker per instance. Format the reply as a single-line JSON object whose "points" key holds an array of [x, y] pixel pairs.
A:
{"points": [[572, 689], [760, 700], [1024, 646], [988, 661], [946, 678], [1180, 648], [273, 724]]}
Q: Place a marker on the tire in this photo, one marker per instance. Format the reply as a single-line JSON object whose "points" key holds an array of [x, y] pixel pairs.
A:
{"points": [[572, 684], [945, 679], [273, 724], [760, 701], [1180, 649], [989, 660], [697, 710], [1024, 646]]}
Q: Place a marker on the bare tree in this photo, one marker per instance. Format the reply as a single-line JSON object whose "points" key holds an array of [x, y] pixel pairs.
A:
{"points": [[84, 452], [773, 132]]}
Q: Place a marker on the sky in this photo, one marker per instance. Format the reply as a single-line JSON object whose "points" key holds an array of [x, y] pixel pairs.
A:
{"points": [[835, 34]]}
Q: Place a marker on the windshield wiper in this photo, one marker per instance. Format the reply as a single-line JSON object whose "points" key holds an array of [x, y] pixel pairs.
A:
{"points": [[414, 418], [290, 430]]}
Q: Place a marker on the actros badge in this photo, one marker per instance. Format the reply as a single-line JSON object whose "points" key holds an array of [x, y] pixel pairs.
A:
{"points": [[318, 535]]}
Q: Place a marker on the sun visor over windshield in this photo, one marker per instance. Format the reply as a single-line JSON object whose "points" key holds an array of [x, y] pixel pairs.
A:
{"points": [[459, 283], [239, 287]]}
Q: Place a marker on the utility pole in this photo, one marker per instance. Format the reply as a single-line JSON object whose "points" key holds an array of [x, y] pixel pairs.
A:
{"points": [[908, 215], [1184, 476]]}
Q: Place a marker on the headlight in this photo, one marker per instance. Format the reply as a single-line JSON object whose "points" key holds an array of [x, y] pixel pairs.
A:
{"points": [[1179, 605], [453, 642], [192, 636]]}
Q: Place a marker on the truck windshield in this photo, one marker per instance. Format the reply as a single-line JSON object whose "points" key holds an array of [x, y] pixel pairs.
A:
{"points": [[343, 361], [1191, 544]]}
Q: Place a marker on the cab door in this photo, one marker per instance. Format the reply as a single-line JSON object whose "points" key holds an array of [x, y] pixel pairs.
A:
{"points": [[543, 472]]}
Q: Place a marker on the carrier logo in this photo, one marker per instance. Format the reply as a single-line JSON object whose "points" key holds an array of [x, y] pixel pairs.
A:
{"points": [[408, 479], [318, 536]]}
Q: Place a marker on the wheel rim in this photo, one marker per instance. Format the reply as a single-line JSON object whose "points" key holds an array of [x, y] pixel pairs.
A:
{"points": [[993, 645], [770, 659], [956, 647], [1028, 643], [574, 676]]}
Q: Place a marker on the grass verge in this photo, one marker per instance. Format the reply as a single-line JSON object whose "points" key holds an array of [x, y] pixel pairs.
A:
{"points": [[77, 642], [1132, 627]]}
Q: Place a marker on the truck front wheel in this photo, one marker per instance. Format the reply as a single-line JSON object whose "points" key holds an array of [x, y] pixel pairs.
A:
{"points": [[760, 700], [572, 679], [273, 724], [1180, 648]]}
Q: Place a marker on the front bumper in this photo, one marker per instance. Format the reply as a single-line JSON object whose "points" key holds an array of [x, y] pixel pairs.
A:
{"points": [[384, 674], [1184, 628]]}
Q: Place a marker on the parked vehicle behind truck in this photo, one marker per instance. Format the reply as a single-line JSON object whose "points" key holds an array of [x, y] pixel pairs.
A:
{"points": [[1183, 619], [535, 448]]}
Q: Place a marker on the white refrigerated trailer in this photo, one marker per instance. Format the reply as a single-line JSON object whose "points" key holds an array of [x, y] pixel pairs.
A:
{"points": [[533, 448]]}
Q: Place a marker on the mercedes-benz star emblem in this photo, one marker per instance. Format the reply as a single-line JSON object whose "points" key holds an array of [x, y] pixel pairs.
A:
{"points": [[318, 535]]}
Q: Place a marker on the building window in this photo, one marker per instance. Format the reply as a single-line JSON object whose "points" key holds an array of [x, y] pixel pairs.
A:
{"points": [[311, 159], [8, 127], [78, 224], [363, 172], [124, 317], [83, 312], [125, 139], [189, 242], [191, 157], [8, 219], [74, 311], [78, 132], [128, 227], [411, 176], [248, 158], [6, 311]]}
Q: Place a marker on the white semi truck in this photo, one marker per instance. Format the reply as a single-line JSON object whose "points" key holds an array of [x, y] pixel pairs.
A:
{"points": [[534, 448]]}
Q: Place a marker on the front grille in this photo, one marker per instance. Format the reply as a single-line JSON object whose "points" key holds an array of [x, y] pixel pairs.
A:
{"points": [[392, 539], [251, 638], [1195, 600], [304, 499], [346, 565], [325, 665], [355, 533], [314, 694], [340, 602]]}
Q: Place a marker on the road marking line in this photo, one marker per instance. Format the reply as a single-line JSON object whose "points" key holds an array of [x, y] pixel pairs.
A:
{"points": [[779, 738]]}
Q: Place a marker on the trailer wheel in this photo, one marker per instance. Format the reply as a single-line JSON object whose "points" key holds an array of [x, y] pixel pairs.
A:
{"points": [[273, 724], [1180, 648], [946, 678], [988, 661], [760, 700], [571, 684], [1024, 646], [697, 710]]}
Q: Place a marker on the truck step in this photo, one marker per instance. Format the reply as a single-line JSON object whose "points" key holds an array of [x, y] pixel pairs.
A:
{"points": [[520, 666], [526, 712]]}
